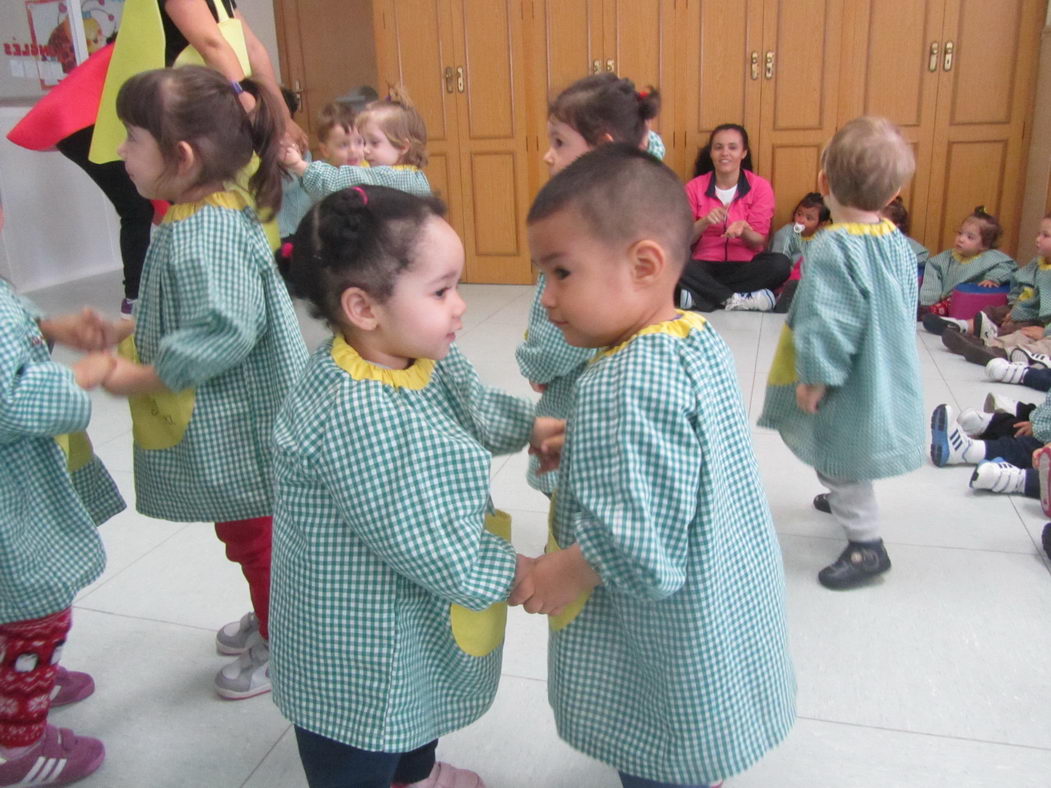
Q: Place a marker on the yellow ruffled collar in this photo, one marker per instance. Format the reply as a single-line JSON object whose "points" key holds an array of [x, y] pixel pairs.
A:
{"points": [[1043, 263], [680, 327], [964, 260], [415, 377], [231, 200], [885, 227]]}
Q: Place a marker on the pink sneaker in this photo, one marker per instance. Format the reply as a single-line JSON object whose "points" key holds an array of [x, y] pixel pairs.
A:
{"points": [[70, 687], [59, 758], [445, 776]]}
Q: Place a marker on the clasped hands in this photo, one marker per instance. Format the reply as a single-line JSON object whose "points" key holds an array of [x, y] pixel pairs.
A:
{"points": [[92, 334]]}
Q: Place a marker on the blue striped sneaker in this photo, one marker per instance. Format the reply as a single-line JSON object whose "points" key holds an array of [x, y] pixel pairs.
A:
{"points": [[949, 444]]}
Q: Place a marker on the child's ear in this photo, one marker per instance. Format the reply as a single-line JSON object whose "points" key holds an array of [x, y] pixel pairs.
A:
{"points": [[358, 308], [892, 199], [649, 262], [186, 157], [822, 184]]}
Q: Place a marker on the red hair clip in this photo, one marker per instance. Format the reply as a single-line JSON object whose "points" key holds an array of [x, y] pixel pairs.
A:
{"points": [[641, 94], [363, 193]]}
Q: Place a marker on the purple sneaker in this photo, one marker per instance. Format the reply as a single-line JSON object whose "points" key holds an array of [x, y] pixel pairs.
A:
{"points": [[127, 305], [59, 758], [71, 686]]}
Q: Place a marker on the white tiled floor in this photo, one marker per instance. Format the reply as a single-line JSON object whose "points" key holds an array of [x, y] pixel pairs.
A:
{"points": [[939, 676]]}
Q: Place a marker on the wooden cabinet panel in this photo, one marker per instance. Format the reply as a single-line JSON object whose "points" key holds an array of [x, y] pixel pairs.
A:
{"points": [[718, 86], [982, 88]]}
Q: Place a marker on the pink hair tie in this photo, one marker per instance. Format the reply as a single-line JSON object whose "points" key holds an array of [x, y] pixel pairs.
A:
{"points": [[286, 250], [364, 195]]}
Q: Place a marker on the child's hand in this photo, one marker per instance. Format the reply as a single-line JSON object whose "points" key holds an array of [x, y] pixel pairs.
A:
{"points": [[550, 453], [736, 230], [523, 584], [292, 159], [127, 378], [558, 579], [540, 388], [809, 396], [93, 369], [547, 440], [1023, 428], [87, 330], [988, 283], [1033, 332]]}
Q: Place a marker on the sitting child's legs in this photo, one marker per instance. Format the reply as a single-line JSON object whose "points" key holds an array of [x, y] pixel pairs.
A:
{"points": [[628, 781], [950, 445], [332, 764]]}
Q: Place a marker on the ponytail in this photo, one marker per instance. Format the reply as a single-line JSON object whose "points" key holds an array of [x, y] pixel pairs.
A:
{"points": [[267, 128]]}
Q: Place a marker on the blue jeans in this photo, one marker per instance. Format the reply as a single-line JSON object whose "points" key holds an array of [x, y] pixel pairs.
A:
{"points": [[638, 782], [332, 764]]}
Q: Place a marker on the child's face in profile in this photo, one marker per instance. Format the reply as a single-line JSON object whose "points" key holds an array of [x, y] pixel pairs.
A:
{"points": [[564, 145], [1043, 240], [423, 314], [341, 147], [809, 217], [144, 163], [379, 150], [589, 284], [969, 239]]}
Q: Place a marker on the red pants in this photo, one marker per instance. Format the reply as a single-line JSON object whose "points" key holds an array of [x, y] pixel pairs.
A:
{"points": [[29, 654], [248, 544]]}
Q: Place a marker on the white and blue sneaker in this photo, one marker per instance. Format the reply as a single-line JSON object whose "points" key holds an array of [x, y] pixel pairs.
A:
{"points": [[949, 444], [998, 476]]}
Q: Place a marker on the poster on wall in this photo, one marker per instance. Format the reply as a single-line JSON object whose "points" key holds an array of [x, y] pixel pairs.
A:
{"points": [[43, 40]]}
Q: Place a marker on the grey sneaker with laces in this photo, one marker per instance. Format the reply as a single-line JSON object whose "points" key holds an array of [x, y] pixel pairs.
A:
{"points": [[755, 301]]}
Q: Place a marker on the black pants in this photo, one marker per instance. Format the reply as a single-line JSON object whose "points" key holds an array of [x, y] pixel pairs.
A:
{"points": [[1000, 440], [134, 210], [1039, 379], [332, 764], [711, 283]]}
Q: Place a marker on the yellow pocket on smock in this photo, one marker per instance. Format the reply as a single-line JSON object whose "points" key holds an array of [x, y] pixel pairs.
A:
{"points": [[478, 632], [158, 421], [572, 610], [77, 448]]}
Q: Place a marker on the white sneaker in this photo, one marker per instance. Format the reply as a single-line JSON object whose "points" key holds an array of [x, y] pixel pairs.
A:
{"points": [[249, 674], [755, 301], [232, 639], [685, 299], [974, 422], [998, 476], [949, 444], [994, 403], [1002, 370], [984, 328], [1021, 355]]}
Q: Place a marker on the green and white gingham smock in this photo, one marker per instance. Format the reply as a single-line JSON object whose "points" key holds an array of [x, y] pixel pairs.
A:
{"points": [[852, 327], [677, 667], [545, 357], [49, 542], [382, 491], [214, 316], [1031, 293], [945, 271], [322, 179]]}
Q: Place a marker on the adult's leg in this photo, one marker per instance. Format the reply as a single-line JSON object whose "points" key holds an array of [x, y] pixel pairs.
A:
{"points": [[134, 210], [765, 271], [704, 281]]}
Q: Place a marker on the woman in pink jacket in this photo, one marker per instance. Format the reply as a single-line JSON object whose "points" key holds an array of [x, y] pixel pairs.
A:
{"points": [[732, 210]]}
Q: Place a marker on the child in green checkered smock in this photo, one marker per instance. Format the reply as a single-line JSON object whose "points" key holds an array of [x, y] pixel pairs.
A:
{"points": [[844, 388], [668, 657], [391, 566], [592, 111], [217, 345], [395, 148], [54, 493], [973, 258]]}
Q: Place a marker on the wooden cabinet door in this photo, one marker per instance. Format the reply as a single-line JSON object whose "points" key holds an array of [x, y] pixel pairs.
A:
{"points": [[563, 42], [800, 59], [985, 92], [491, 121], [414, 46], [639, 43], [716, 80], [891, 62]]}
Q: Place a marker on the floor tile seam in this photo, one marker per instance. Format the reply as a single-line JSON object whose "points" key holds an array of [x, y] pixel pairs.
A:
{"points": [[506, 675], [908, 544], [266, 755], [946, 736], [143, 618], [153, 549]]}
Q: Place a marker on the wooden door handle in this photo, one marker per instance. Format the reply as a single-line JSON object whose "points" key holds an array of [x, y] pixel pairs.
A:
{"points": [[949, 48], [770, 64], [449, 79], [596, 66], [459, 78], [755, 64], [932, 63], [610, 65]]}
